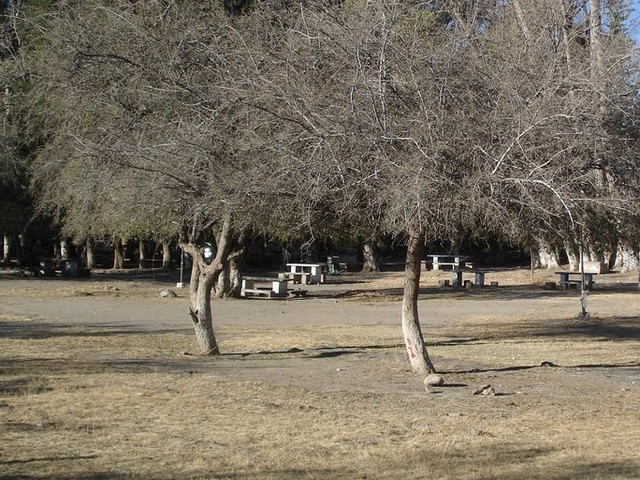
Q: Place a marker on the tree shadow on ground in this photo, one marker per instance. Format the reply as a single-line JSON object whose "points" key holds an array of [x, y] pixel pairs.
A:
{"points": [[101, 275], [42, 330], [597, 328], [262, 475], [507, 461], [513, 292], [493, 458]]}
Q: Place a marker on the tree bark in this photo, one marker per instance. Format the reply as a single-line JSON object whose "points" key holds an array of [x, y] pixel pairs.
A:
{"points": [[414, 342], [235, 280], [595, 39], [88, 257], [229, 281], [200, 288], [626, 259], [568, 17], [25, 257], [166, 255], [64, 249], [522, 19], [7, 249], [142, 255], [222, 284], [370, 259], [546, 256], [573, 255], [118, 254]]}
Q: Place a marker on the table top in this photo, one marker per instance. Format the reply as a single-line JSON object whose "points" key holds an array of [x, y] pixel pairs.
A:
{"points": [[262, 279], [574, 273], [304, 264]]}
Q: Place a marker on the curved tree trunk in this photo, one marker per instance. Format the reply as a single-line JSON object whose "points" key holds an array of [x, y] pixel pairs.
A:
{"points": [[201, 314], [203, 279], [573, 255], [370, 259], [414, 342], [546, 256]]}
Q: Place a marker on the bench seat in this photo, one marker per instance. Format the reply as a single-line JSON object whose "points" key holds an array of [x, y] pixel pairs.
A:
{"points": [[271, 287]]}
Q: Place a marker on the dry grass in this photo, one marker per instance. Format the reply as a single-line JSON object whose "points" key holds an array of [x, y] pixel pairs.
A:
{"points": [[88, 403]]}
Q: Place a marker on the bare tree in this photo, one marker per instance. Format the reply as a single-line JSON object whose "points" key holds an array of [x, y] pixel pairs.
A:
{"points": [[440, 121], [183, 137]]}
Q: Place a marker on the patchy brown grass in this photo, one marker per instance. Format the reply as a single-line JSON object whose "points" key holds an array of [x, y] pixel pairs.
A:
{"points": [[322, 402]]}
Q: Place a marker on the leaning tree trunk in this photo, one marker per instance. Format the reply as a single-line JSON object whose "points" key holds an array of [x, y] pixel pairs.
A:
{"points": [[229, 281], [222, 284], [418, 356], [370, 259]]}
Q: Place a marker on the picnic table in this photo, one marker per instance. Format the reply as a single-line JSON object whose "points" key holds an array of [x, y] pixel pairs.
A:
{"points": [[453, 261], [575, 278], [267, 286], [478, 277], [307, 272]]}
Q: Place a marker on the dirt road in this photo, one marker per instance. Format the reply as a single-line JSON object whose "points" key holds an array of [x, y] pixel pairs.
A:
{"points": [[147, 311]]}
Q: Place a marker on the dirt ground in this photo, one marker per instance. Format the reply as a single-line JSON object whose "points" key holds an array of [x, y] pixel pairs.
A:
{"points": [[131, 302], [565, 392]]}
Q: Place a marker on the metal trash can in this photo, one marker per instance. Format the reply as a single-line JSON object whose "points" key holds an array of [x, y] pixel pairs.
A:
{"points": [[46, 268], [332, 265], [71, 268]]}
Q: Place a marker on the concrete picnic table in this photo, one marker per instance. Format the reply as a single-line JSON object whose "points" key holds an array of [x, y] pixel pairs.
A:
{"points": [[452, 260], [314, 271]]}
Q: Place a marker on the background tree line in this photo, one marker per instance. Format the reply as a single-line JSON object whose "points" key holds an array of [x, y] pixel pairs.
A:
{"points": [[211, 122]]}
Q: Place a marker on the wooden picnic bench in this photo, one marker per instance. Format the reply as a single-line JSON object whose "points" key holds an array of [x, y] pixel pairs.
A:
{"points": [[567, 279], [267, 286]]}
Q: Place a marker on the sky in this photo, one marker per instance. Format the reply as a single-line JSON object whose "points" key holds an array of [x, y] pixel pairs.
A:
{"points": [[634, 21]]}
